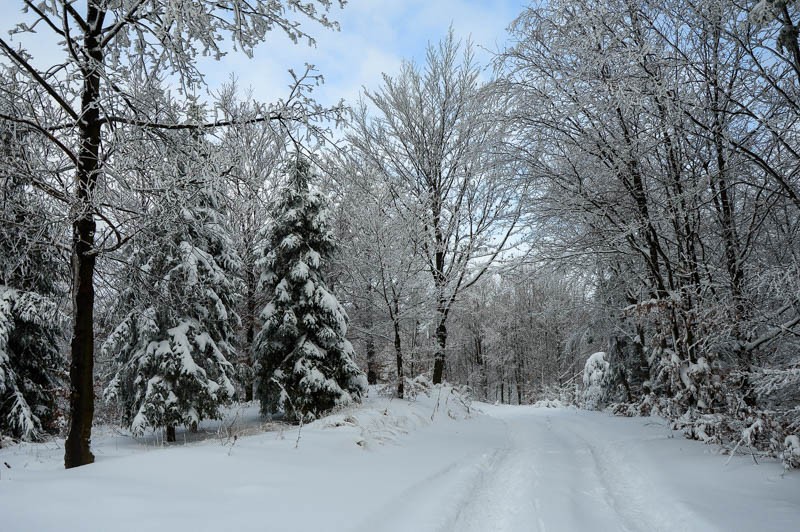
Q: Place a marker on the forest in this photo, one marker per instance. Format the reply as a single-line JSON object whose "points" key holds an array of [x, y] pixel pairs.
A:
{"points": [[606, 214]]}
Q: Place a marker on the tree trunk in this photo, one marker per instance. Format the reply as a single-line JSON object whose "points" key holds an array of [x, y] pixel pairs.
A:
{"points": [[247, 383], [441, 343], [413, 368], [480, 360], [170, 433], [252, 282], [372, 374], [399, 354], [81, 371]]}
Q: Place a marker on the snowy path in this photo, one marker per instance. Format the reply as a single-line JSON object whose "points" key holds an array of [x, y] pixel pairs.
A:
{"points": [[565, 470], [553, 478], [386, 468]]}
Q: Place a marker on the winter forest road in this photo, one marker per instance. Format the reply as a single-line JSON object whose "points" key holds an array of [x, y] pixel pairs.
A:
{"points": [[567, 470], [430, 464]]}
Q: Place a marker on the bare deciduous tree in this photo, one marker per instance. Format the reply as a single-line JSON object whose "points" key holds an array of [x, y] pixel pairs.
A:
{"points": [[435, 141]]}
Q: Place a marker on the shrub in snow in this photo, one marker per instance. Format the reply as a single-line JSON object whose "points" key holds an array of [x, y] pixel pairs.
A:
{"points": [[594, 377], [305, 365], [549, 403], [173, 345], [791, 453], [419, 385]]}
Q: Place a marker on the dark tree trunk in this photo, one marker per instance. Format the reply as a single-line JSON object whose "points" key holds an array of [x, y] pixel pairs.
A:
{"points": [[170, 433], [252, 301], [441, 344], [412, 357], [399, 354], [81, 371], [247, 383], [372, 374], [480, 360]]}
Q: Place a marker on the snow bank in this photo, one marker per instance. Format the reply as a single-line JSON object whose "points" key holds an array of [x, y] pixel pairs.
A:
{"points": [[247, 468]]}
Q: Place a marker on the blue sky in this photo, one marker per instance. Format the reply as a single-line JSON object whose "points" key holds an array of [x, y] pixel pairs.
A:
{"points": [[375, 36]]}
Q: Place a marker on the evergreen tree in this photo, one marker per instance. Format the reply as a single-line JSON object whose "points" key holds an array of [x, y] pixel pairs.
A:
{"points": [[31, 366], [175, 342], [305, 365]]}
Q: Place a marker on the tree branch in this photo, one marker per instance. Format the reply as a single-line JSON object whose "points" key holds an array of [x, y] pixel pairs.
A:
{"points": [[14, 56]]}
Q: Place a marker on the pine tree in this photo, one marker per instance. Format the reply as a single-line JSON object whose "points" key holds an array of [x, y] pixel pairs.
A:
{"points": [[305, 365], [30, 363], [31, 366], [175, 342]]}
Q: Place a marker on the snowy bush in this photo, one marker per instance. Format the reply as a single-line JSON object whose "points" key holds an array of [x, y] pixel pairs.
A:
{"points": [[791, 453], [419, 385], [305, 366], [550, 403], [594, 377]]}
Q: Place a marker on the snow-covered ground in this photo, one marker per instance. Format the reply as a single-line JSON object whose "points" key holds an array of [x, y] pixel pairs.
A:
{"points": [[395, 465]]}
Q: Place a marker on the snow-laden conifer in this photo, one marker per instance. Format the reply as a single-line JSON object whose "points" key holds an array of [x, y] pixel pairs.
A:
{"points": [[174, 344], [305, 365], [31, 365]]}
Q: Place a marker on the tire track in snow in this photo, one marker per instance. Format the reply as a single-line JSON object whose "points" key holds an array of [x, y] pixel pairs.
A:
{"points": [[543, 482], [638, 502], [432, 503], [543, 474], [490, 504]]}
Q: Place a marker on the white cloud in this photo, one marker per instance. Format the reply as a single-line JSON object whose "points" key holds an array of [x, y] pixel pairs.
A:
{"points": [[375, 36]]}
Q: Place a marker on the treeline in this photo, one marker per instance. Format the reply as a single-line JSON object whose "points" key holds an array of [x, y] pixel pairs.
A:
{"points": [[650, 154], [662, 137], [136, 257], [625, 180]]}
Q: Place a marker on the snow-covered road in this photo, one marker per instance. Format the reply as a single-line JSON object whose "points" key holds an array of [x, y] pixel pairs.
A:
{"points": [[386, 467], [569, 470]]}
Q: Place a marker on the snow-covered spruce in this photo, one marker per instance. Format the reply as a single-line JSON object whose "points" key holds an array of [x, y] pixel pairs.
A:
{"points": [[305, 365], [31, 365], [173, 346]]}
